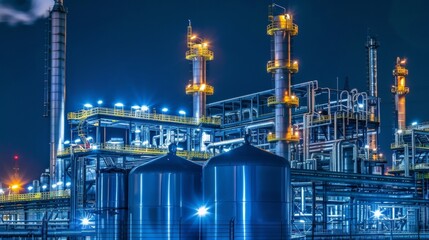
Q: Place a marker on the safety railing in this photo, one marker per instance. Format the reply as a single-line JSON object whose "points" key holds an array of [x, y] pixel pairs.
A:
{"points": [[205, 88], [400, 71], [285, 25], [138, 114], [292, 66], [290, 101], [34, 196], [135, 150], [401, 90], [402, 145], [199, 52], [289, 137]]}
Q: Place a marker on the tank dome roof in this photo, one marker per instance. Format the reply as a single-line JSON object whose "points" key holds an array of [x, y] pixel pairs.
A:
{"points": [[167, 163], [247, 155]]}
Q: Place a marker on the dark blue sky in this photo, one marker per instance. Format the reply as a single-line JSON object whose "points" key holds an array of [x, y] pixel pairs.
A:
{"points": [[133, 52]]}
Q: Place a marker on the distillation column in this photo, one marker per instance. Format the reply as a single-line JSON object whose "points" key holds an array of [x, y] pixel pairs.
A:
{"points": [[400, 90], [372, 46], [199, 53], [282, 29], [57, 93]]}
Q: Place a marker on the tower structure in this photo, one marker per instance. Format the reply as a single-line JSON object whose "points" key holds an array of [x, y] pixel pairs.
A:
{"points": [[372, 45], [57, 72], [199, 53], [282, 66], [400, 90]]}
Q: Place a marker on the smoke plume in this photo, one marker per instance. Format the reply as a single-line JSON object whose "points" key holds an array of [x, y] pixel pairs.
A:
{"points": [[15, 12]]}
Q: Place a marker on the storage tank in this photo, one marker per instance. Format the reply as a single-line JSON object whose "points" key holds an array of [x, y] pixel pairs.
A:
{"points": [[163, 197], [111, 203], [45, 181], [248, 195]]}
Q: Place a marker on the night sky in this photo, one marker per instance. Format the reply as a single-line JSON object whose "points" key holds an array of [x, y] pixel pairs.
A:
{"points": [[133, 52]]}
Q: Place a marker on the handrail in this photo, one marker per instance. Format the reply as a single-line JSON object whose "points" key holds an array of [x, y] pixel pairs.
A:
{"points": [[85, 113], [136, 150], [34, 196]]}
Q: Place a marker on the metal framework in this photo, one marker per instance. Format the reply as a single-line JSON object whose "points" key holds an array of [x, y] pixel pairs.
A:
{"points": [[339, 183]]}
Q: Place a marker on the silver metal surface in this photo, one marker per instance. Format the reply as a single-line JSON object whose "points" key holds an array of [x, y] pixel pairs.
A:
{"points": [[198, 78], [248, 195], [45, 181], [372, 46], [58, 81], [280, 86], [111, 204], [164, 195]]}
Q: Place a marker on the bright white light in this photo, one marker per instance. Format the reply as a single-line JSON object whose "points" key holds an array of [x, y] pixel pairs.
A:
{"points": [[44, 187], [181, 112], [88, 105], [400, 131], [377, 213], [68, 184], [85, 221], [66, 142], [119, 105], [360, 105], [59, 183], [30, 188], [137, 131], [99, 102], [367, 146], [94, 147], [77, 141], [89, 138], [54, 186], [135, 107], [1, 191], [164, 110], [413, 123], [144, 108], [202, 211]]}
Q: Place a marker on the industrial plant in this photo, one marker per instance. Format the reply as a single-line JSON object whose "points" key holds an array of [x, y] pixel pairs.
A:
{"points": [[300, 161]]}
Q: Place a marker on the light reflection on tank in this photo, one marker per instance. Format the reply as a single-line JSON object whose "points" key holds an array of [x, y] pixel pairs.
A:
{"points": [[247, 192]]}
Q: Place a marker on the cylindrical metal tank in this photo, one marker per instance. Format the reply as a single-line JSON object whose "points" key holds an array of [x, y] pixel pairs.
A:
{"points": [[248, 195], [45, 181], [112, 203], [36, 186], [163, 197]]}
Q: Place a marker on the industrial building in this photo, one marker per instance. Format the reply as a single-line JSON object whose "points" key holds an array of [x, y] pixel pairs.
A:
{"points": [[300, 161]]}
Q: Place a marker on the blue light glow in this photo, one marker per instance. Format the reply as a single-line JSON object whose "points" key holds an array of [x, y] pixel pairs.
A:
{"points": [[144, 108], [202, 211]]}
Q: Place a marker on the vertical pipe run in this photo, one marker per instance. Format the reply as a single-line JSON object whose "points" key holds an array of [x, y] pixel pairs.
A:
{"points": [[58, 81]]}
